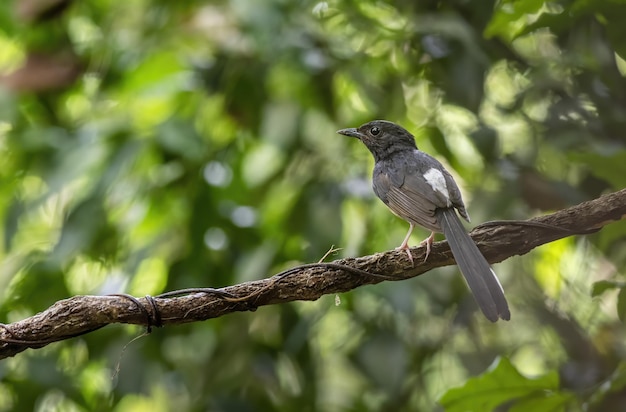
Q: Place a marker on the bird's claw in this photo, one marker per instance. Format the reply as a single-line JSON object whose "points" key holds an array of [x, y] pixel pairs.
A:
{"points": [[428, 242], [407, 249]]}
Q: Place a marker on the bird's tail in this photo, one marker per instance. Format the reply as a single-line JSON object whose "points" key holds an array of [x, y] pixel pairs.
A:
{"points": [[480, 278]]}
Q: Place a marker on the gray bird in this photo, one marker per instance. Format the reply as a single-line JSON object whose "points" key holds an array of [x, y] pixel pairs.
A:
{"points": [[417, 188]]}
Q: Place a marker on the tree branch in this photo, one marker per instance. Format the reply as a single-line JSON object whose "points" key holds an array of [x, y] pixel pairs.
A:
{"points": [[497, 240]]}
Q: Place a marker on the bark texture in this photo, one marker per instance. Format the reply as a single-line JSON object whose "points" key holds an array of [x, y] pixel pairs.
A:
{"points": [[497, 240]]}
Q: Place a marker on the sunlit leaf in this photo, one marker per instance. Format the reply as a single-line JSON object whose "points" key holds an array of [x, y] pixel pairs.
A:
{"points": [[500, 385]]}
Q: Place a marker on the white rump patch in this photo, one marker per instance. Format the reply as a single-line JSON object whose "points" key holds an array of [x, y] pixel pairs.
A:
{"points": [[437, 181]]}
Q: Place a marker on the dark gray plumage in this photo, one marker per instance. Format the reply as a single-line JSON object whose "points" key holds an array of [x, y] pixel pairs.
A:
{"points": [[417, 188]]}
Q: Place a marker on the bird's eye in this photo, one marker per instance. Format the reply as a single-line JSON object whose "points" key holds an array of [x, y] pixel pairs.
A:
{"points": [[374, 131]]}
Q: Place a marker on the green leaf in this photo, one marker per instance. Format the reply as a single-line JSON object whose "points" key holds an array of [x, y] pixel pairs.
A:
{"points": [[497, 386], [546, 401], [510, 17], [603, 285]]}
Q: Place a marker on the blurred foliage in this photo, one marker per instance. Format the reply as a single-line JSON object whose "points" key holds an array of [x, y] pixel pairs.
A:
{"points": [[155, 145]]}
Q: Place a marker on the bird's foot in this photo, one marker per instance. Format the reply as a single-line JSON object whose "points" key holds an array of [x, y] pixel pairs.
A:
{"points": [[405, 246], [428, 242]]}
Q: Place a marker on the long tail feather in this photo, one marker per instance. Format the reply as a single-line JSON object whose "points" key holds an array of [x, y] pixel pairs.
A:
{"points": [[480, 278]]}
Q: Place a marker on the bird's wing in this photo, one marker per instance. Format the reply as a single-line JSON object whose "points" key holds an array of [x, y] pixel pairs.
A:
{"points": [[411, 199], [413, 185]]}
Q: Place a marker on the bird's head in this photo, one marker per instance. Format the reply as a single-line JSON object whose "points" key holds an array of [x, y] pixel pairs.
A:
{"points": [[382, 138]]}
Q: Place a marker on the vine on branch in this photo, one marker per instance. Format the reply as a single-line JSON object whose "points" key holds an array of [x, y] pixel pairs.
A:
{"points": [[497, 240]]}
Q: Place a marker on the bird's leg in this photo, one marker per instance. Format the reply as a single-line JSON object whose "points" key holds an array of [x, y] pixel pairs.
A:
{"points": [[405, 243], [428, 242]]}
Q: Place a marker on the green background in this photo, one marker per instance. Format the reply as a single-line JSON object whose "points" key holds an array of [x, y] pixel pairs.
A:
{"points": [[148, 146]]}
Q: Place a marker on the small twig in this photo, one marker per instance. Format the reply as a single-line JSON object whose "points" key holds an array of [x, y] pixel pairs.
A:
{"points": [[330, 251]]}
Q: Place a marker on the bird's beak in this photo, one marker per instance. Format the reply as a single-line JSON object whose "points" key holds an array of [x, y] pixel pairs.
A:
{"points": [[352, 132]]}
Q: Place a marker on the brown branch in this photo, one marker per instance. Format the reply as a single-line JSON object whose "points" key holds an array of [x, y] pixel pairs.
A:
{"points": [[497, 240]]}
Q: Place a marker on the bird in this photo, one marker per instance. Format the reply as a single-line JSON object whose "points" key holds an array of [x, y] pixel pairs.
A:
{"points": [[417, 188]]}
